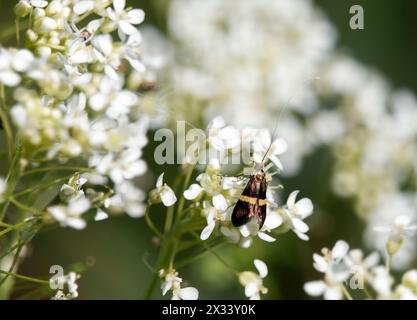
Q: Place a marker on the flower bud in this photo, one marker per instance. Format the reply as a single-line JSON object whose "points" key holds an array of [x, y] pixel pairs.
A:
{"points": [[43, 51], [38, 13], [22, 8], [154, 197], [54, 8], [65, 90], [393, 245], [410, 279], [31, 35], [45, 25]]}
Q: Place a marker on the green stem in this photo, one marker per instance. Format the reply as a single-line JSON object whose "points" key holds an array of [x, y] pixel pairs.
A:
{"points": [[209, 249], [388, 263], [57, 168], [25, 207], [17, 23], [150, 223], [22, 277], [11, 227], [346, 292], [182, 199], [41, 186], [367, 293], [6, 124]]}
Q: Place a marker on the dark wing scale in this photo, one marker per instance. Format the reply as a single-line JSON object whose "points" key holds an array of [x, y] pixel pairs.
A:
{"points": [[261, 214], [240, 215]]}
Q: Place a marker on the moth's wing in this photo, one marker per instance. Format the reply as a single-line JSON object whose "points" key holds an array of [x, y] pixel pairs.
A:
{"points": [[241, 213], [261, 215]]}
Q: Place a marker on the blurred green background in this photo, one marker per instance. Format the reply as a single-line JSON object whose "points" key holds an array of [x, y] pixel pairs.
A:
{"points": [[119, 245]]}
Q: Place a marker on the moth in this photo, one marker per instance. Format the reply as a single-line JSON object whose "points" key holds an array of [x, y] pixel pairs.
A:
{"points": [[252, 202]]}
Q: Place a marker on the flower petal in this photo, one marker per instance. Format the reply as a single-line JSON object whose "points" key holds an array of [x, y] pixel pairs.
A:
{"points": [[119, 5], [304, 207], [219, 202], [251, 289], [266, 237], [205, 234], [188, 293], [168, 196], [340, 250], [83, 6], [100, 215], [261, 267], [272, 221], [315, 288], [299, 225], [127, 28], [160, 180], [320, 264], [333, 293], [136, 16], [193, 191], [291, 199]]}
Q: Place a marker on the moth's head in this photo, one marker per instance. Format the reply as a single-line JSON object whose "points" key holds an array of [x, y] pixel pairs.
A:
{"points": [[259, 173]]}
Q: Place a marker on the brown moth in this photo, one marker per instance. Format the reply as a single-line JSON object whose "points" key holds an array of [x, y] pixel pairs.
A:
{"points": [[252, 201]]}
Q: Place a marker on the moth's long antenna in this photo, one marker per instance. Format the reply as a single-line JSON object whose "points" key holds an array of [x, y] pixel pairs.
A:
{"points": [[281, 112]]}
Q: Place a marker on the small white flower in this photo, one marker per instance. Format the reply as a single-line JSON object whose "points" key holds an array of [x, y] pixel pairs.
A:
{"points": [[401, 226], [333, 263], [263, 148], [296, 212], [330, 291], [381, 281], [70, 215], [253, 282], [163, 193], [127, 198], [72, 189], [173, 282], [214, 214], [125, 19]]}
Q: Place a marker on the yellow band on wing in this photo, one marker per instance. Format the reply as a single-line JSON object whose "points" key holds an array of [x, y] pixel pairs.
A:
{"points": [[253, 200]]}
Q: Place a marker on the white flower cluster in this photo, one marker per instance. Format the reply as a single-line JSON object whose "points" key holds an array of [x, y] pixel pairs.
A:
{"points": [[69, 281], [216, 195], [346, 269], [265, 55], [75, 93], [172, 282]]}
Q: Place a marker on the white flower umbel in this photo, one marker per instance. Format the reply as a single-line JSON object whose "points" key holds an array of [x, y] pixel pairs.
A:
{"points": [[171, 282], [70, 215], [253, 282], [162, 193]]}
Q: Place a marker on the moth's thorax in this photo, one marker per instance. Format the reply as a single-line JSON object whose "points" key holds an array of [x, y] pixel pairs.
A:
{"points": [[259, 175]]}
